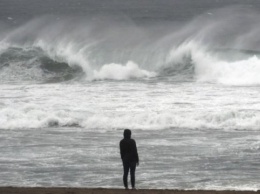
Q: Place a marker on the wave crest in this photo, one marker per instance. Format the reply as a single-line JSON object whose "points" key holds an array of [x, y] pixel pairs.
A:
{"points": [[56, 49], [32, 64]]}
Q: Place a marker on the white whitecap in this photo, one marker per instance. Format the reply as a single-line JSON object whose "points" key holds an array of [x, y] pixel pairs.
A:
{"points": [[122, 72]]}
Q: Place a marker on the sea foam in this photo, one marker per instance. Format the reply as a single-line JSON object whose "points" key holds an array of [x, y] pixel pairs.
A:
{"points": [[122, 72]]}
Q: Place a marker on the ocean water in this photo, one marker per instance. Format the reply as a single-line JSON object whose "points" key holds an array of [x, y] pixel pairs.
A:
{"points": [[182, 75]]}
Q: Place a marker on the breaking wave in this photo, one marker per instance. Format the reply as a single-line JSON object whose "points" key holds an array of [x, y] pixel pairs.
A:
{"points": [[19, 64], [31, 116], [187, 62], [55, 49]]}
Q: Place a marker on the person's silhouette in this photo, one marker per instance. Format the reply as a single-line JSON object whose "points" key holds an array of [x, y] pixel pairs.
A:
{"points": [[129, 157]]}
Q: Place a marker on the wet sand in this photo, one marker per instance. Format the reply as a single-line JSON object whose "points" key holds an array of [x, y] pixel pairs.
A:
{"points": [[62, 190]]}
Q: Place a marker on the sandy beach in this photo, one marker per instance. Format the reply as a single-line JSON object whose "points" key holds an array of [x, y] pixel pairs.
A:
{"points": [[61, 190]]}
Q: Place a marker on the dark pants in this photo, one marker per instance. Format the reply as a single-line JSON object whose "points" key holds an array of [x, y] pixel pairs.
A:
{"points": [[127, 166]]}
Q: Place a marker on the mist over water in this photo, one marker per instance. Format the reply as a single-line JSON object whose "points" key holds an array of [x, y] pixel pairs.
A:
{"points": [[220, 47]]}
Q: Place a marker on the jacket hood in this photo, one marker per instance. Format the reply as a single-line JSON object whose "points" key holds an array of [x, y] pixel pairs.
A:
{"points": [[127, 134]]}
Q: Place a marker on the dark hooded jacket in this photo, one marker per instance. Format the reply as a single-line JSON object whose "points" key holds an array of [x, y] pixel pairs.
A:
{"points": [[128, 148]]}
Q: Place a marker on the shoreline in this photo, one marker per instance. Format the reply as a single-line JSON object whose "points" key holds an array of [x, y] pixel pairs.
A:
{"points": [[72, 190]]}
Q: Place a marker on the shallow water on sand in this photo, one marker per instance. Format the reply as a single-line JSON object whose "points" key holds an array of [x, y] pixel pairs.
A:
{"points": [[174, 158]]}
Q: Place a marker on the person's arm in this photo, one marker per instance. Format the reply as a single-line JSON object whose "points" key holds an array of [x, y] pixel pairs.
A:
{"points": [[121, 149], [136, 154]]}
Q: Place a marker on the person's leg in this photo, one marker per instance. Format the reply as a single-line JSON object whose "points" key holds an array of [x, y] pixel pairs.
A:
{"points": [[132, 173], [126, 170]]}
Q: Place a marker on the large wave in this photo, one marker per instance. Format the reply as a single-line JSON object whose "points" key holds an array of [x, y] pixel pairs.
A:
{"points": [[30, 64], [207, 49]]}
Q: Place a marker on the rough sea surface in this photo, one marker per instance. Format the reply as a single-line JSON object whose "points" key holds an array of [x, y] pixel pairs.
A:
{"points": [[183, 75]]}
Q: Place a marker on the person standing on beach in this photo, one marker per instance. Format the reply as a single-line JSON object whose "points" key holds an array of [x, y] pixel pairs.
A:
{"points": [[129, 156]]}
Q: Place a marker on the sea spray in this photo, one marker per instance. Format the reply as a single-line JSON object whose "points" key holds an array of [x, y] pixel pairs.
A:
{"points": [[191, 51]]}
